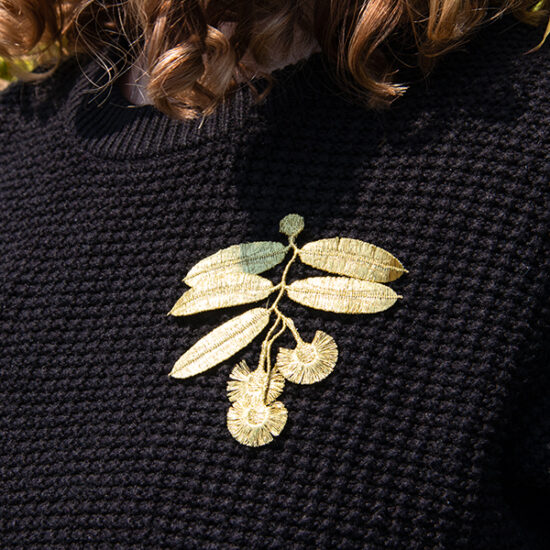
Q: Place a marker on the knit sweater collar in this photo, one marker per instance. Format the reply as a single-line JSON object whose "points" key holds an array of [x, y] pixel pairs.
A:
{"points": [[106, 124]]}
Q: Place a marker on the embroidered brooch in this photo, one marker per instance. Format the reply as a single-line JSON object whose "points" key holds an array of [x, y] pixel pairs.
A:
{"points": [[230, 277]]}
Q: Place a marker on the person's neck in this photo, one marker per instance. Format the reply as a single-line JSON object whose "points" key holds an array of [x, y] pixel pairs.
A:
{"points": [[133, 82]]}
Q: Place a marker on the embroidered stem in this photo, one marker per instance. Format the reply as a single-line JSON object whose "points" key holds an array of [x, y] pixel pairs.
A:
{"points": [[268, 355], [282, 284], [265, 356], [263, 352], [292, 327]]}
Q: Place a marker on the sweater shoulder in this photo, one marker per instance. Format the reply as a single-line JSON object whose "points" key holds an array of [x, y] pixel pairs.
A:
{"points": [[21, 101]]}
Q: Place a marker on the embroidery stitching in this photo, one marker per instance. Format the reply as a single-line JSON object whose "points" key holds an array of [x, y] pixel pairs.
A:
{"points": [[230, 277]]}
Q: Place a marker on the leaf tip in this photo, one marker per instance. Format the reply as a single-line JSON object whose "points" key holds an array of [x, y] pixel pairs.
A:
{"points": [[175, 373]]}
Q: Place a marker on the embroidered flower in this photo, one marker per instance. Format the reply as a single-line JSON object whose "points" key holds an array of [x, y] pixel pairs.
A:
{"points": [[291, 225], [253, 423], [308, 363], [245, 384]]}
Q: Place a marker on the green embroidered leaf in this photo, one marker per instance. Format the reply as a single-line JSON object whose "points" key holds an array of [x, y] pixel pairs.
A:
{"points": [[353, 258], [342, 295], [225, 290], [252, 258], [220, 344]]}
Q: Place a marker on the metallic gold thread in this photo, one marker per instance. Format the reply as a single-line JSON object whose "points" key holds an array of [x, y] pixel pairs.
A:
{"points": [[230, 277]]}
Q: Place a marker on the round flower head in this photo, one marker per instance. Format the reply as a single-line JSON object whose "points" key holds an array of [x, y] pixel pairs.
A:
{"points": [[254, 423], [247, 385], [291, 225], [308, 363]]}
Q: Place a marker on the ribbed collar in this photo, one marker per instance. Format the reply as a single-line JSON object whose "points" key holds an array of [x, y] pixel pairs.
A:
{"points": [[106, 124]]}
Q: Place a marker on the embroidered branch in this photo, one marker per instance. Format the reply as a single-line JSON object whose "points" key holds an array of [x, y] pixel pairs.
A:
{"points": [[231, 277]]}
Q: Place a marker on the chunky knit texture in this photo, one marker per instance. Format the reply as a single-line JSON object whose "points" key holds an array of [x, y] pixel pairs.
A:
{"points": [[434, 429]]}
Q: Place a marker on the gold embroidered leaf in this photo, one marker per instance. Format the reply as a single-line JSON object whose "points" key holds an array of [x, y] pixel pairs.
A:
{"points": [[353, 258], [228, 289], [220, 344], [251, 258], [342, 295]]}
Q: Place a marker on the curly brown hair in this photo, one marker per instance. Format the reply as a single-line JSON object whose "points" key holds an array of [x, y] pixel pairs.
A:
{"points": [[192, 65]]}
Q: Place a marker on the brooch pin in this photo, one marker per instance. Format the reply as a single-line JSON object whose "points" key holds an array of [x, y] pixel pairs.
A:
{"points": [[230, 278]]}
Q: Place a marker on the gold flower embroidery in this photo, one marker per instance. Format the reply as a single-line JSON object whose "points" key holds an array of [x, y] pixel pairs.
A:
{"points": [[231, 277], [245, 384], [254, 423], [308, 363]]}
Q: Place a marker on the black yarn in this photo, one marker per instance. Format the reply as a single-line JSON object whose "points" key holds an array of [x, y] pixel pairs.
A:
{"points": [[433, 430]]}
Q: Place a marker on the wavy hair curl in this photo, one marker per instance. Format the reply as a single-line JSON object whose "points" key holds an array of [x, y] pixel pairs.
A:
{"points": [[191, 64]]}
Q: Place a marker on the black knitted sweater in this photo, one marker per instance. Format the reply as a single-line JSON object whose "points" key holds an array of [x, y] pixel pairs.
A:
{"points": [[433, 431]]}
